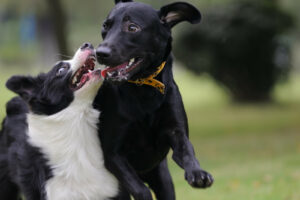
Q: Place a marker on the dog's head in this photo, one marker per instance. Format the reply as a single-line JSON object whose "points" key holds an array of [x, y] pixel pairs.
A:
{"points": [[49, 93], [137, 38]]}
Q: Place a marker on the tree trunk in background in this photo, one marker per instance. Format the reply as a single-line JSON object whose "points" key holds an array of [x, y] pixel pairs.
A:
{"points": [[58, 18], [52, 31]]}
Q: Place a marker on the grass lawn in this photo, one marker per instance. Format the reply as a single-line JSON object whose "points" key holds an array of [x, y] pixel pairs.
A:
{"points": [[252, 151]]}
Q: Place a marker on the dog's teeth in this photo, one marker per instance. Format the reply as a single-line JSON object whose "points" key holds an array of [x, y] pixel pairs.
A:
{"points": [[74, 80], [131, 61], [122, 71]]}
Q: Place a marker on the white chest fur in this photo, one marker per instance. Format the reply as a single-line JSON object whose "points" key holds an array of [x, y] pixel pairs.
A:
{"points": [[69, 141]]}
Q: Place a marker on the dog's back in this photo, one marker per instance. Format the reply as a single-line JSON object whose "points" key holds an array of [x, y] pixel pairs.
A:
{"points": [[13, 126]]}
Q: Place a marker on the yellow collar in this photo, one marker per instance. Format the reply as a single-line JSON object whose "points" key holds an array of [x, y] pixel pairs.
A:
{"points": [[151, 81]]}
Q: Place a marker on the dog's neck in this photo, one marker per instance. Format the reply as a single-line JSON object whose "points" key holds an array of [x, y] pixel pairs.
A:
{"points": [[81, 105], [151, 81], [77, 111]]}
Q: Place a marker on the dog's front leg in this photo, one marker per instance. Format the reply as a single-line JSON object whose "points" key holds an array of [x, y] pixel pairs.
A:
{"points": [[177, 134], [117, 163], [184, 156], [127, 176]]}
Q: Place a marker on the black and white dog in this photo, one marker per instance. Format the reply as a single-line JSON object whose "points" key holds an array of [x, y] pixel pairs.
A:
{"points": [[143, 116], [52, 151]]}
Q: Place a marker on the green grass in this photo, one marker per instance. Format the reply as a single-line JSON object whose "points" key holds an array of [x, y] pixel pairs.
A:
{"points": [[252, 151]]}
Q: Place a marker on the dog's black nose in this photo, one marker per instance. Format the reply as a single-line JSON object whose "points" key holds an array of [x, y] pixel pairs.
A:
{"points": [[86, 46], [103, 52]]}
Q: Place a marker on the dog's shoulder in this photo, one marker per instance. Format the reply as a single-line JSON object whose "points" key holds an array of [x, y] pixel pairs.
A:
{"points": [[16, 106], [14, 125]]}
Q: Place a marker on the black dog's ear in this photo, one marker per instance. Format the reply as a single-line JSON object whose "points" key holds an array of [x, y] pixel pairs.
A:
{"points": [[22, 85], [118, 1], [175, 13]]}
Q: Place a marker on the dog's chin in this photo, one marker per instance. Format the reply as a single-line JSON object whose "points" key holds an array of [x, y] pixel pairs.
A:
{"points": [[123, 72]]}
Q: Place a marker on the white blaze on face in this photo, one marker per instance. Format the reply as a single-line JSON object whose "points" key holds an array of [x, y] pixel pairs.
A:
{"points": [[79, 59], [84, 75]]}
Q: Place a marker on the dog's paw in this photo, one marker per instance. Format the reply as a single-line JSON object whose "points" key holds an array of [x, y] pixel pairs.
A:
{"points": [[143, 194], [199, 178]]}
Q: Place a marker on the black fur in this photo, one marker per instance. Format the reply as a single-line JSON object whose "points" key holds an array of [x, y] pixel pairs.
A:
{"points": [[118, 1], [139, 125], [23, 167], [47, 93]]}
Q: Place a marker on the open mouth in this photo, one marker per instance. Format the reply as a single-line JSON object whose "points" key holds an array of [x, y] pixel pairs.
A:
{"points": [[84, 73], [121, 72]]}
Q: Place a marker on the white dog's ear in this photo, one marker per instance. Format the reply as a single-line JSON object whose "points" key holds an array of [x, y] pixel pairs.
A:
{"points": [[175, 13], [118, 1]]}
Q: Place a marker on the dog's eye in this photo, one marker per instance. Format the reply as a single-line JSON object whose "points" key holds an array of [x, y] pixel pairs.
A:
{"points": [[62, 70], [133, 28], [105, 26]]}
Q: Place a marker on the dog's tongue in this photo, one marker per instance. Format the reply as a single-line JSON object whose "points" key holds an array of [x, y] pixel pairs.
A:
{"points": [[84, 78], [109, 69], [104, 72]]}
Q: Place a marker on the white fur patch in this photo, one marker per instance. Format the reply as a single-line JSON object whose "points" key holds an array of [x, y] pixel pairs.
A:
{"points": [[70, 142]]}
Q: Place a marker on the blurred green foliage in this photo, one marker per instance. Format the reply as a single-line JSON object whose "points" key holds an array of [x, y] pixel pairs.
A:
{"points": [[84, 23], [242, 46]]}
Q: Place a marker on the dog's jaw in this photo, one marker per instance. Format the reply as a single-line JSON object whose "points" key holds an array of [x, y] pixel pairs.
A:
{"points": [[80, 58], [123, 71], [83, 72], [85, 80]]}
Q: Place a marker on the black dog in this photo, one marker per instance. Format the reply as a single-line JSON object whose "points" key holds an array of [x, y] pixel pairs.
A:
{"points": [[52, 151], [143, 115]]}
